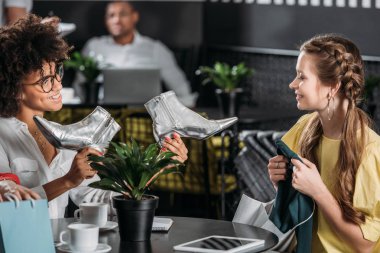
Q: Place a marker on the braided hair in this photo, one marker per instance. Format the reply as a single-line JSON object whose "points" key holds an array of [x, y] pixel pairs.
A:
{"points": [[338, 60]]}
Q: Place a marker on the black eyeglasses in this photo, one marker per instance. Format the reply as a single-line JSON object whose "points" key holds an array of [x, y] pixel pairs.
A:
{"points": [[47, 82]]}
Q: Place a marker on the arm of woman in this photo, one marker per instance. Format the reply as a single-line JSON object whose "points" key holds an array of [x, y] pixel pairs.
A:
{"points": [[307, 180], [9, 176], [79, 171]]}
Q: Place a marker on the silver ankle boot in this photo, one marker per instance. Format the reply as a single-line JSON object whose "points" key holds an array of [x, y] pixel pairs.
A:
{"points": [[96, 130], [169, 115]]}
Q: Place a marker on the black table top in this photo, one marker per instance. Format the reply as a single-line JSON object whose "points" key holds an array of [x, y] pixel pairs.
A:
{"points": [[183, 230]]}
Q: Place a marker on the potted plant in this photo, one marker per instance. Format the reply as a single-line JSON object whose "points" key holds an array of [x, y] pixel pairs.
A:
{"points": [[228, 79], [89, 67], [130, 169]]}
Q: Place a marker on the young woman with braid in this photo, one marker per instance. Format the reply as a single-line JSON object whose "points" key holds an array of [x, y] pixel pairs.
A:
{"points": [[341, 153]]}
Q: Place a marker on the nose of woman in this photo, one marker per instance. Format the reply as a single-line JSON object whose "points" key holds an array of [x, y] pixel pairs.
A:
{"points": [[294, 84]]}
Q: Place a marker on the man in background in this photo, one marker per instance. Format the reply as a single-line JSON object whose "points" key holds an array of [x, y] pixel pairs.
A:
{"points": [[125, 47]]}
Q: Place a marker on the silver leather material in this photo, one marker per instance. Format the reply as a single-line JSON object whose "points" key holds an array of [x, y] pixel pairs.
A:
{"points": [[169, 115], [96, 130]]}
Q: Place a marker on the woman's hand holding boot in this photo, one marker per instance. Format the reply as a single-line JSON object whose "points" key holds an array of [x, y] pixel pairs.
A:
{"points": [[79, 171], [176, 146], [80, 168]]}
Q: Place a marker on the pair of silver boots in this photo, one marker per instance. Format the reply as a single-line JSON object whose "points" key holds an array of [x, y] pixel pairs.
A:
{"points": [[97, 129]]}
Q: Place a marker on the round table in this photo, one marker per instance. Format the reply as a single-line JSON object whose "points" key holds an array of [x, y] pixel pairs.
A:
{"points": [[183, 230]]}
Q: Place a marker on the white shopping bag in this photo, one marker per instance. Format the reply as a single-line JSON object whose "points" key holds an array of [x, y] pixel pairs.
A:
{"points": [[256, 213]]}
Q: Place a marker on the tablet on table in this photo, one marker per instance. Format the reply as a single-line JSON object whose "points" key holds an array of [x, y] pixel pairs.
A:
{"points": [[220, 244]]}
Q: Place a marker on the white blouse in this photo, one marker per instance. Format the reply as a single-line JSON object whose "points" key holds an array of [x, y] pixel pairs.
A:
{"points": [[20, 155]]}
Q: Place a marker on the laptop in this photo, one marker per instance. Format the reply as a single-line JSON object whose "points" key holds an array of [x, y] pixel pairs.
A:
{"points": [[132, 86]]}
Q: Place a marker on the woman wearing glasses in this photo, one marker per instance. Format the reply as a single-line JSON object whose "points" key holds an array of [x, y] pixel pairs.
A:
{"points": [[30, 84]]}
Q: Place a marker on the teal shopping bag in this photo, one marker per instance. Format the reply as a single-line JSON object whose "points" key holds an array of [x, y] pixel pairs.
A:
{"points": [[25, 227]]}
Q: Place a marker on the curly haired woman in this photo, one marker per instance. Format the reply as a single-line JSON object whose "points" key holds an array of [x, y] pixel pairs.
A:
{"points": [[30, 83], [341, 154]]}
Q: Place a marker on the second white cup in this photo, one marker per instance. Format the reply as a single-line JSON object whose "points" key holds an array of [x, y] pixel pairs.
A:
{"points": [[82, 237], [92, 213]]}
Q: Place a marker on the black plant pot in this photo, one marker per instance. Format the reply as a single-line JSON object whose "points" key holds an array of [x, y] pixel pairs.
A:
{"points": [[229, 102], [135, 217], [136, 247], [91, 92]]}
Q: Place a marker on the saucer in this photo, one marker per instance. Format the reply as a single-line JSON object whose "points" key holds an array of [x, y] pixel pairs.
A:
{"points": [[99, 249], [109, 225]]}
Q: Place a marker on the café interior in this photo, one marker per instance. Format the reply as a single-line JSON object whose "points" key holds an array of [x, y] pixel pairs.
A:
{"points": [[265, 36], [262, 35]]}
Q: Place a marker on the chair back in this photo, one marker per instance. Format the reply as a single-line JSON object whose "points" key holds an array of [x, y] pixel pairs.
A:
{"points": [[252, 161]]}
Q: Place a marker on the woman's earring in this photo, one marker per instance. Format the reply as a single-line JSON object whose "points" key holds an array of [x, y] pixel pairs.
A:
{"points": [[330, 115]]}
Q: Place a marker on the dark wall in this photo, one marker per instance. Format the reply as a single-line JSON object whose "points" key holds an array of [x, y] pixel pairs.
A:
{"points": [[88, 16], [177, 24], [284, 27]]}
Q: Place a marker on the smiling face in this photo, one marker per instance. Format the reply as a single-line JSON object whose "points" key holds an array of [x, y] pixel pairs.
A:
{"points": [[311, 93], [33, 97]]}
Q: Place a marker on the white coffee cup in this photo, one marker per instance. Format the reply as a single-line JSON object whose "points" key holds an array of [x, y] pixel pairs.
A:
{"points": [[82, 237], [92, 213]]}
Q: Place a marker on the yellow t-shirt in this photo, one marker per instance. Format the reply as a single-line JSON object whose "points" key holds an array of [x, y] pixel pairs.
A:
{"points": [[367, 187]]}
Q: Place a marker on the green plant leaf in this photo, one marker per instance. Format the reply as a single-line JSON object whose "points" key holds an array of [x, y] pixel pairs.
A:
{"points": [[164, 172], [225, 77], [107, 184], [165, 155], [129, 168], [119, 150], [85, 64], [103, 171], [149, 153], [95, 158]]}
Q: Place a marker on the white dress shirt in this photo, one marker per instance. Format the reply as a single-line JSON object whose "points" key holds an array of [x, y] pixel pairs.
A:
{"points": [[143, 52], [20, 155]]}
